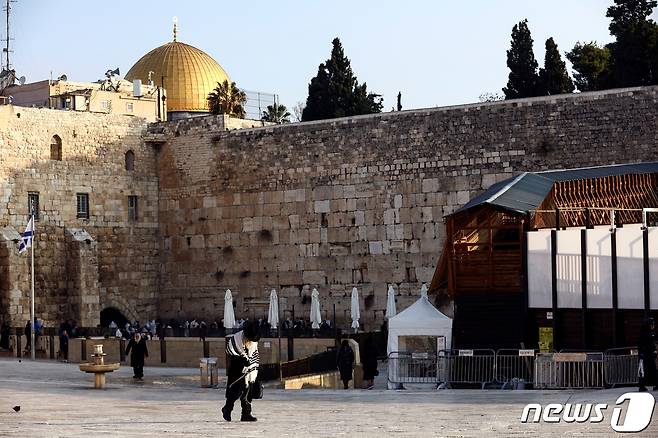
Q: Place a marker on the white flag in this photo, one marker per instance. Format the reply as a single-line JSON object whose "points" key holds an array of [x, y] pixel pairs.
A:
{"points": [[27, 236]]}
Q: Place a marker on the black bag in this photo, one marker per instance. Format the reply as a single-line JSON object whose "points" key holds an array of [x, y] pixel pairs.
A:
{"points": [[257, 390]]}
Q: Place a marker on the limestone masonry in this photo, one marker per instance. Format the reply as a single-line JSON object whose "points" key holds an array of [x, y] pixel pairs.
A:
{"points": [[330, 204]]}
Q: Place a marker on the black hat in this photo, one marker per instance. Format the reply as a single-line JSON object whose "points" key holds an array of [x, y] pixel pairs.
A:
{"points": [[251, 332]]}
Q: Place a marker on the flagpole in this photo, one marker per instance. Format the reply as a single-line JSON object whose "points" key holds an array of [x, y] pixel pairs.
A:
{"points": [[32, 324]]}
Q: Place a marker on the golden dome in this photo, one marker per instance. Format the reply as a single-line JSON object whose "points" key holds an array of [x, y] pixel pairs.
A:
{"points": [[189, 75]]}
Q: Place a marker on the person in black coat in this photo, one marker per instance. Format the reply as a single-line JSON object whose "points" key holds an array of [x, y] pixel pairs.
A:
{"points": [[242, 370], [139, 351], [345, 362], [647, 354], [369, 361]]}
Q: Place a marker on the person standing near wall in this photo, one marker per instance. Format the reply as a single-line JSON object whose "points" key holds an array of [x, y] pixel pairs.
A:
{"points": [[369, 361], [345, 362], [139, 351], [242, 369], [647, 355]]}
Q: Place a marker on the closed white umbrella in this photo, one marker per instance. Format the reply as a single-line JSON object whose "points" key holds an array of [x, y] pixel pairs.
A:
{"points": [[423, 291], [355, 313], [390, 303], [316, 316], [229, 316], [273, 312]]}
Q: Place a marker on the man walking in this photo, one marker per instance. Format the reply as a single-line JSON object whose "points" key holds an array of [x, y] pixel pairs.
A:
{"points": [[242, 357], [139, 351]]}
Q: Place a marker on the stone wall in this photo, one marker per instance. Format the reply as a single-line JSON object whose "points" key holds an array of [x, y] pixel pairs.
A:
{"points": [[118, 266], [358, 201]]}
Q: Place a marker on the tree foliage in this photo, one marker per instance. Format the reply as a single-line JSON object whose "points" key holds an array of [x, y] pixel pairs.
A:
{"points": [[521, 61], [634, 49], [276, 114], [554, 78], [227, 99], [591, 64], [336, 92]]}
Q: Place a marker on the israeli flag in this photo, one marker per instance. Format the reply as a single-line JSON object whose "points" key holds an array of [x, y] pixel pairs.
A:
{"points": [[27, 236]]}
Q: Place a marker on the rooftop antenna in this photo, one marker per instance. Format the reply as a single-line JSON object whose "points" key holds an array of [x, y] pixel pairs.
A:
{"points": [[6, 50], [175, 20]]}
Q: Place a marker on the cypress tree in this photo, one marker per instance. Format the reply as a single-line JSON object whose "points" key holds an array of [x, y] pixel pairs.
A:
{"points": [[335, 90], [522, 64], [554, 78]]}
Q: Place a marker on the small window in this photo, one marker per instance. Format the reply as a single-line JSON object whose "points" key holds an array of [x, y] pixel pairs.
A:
{"points": [[33, 205], [105, 104], [130, 161], [56, 148], [83, 206], [130, 107], [132, 208]]}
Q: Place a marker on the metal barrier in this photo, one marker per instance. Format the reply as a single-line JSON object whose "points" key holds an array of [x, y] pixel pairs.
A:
{"points": [[406, 367], [569, 370], [515, 364], [469, 366], [620, 366]]}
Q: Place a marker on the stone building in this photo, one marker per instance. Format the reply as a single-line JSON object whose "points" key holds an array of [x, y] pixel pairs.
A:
{"points": [[111, 96], [352, 202]]}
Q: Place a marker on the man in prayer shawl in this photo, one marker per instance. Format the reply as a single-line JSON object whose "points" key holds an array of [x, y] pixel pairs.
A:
{"points": [[242, 364]]}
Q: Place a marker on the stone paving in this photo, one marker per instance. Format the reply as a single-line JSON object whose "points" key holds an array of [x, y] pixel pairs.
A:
{"points": [[57, 400]]}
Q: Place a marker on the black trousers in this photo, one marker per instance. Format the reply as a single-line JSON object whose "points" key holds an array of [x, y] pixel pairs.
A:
{"points": [[138, 371], [239, 390]]}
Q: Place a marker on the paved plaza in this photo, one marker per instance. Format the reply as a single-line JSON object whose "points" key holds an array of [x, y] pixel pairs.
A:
{"points": [[57, 400]]}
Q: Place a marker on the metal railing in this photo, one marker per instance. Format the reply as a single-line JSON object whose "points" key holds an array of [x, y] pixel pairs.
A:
{"points": [[621, 366], [417, 368], [569, 370], [469, 366], [515, 365]]}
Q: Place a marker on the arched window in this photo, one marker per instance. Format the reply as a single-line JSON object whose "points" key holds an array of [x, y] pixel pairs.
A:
{"points": [[130, 160], [56, 148]]}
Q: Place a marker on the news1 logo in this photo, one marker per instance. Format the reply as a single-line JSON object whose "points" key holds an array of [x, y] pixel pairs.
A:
{"points": [[638, 413]]}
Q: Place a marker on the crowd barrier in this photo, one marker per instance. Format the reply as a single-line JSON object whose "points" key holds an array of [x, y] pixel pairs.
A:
{"points": [[417, 368], [515, 365], [569, 371], [515, 368], [621, 366]]}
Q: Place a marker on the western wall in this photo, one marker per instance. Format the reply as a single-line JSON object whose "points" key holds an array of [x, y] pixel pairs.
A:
{"points": [[358, 201], [331, 204]]}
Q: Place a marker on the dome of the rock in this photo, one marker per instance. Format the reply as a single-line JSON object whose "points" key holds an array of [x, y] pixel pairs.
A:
{"points": [[186, 73]]}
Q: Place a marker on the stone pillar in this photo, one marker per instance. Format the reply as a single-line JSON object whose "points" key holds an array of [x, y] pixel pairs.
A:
{"points": [[82, 277], [14, 279]]}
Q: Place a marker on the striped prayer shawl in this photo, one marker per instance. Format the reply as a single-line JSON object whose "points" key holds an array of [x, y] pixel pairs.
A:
{"points": [[235, 347]]}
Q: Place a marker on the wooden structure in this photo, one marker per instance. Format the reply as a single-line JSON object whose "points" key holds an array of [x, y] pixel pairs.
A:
{"points": [[482, 267]]}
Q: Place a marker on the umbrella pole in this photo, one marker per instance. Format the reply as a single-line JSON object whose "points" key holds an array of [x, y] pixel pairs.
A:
{"points": [[279, 333]]}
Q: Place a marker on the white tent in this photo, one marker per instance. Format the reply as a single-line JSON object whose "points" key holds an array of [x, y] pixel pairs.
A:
{"points": [[419, 319]]}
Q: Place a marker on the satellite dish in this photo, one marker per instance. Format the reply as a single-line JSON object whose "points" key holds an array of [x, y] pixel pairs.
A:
{"points": [[21, 80], [116, 71], [62, 78]]}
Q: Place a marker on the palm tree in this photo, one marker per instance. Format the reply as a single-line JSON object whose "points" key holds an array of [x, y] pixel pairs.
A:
{"points": [[276, 113], [227, 99]]}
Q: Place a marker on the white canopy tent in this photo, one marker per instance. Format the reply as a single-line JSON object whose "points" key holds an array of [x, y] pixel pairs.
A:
{"points": [[419, 319]]}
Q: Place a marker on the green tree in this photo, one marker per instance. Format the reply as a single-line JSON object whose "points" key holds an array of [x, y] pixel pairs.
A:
{"points": [[335, 90], [554, 78], [633, 51], [276, 114], [522, 64], [227, 99], [591, 64]]}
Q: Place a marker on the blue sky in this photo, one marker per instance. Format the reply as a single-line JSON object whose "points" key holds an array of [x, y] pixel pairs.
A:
{"points": [[436, 52]]}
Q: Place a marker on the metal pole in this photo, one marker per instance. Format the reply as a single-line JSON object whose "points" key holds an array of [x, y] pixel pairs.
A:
{"points": [[32, 324], [279, 333]]}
